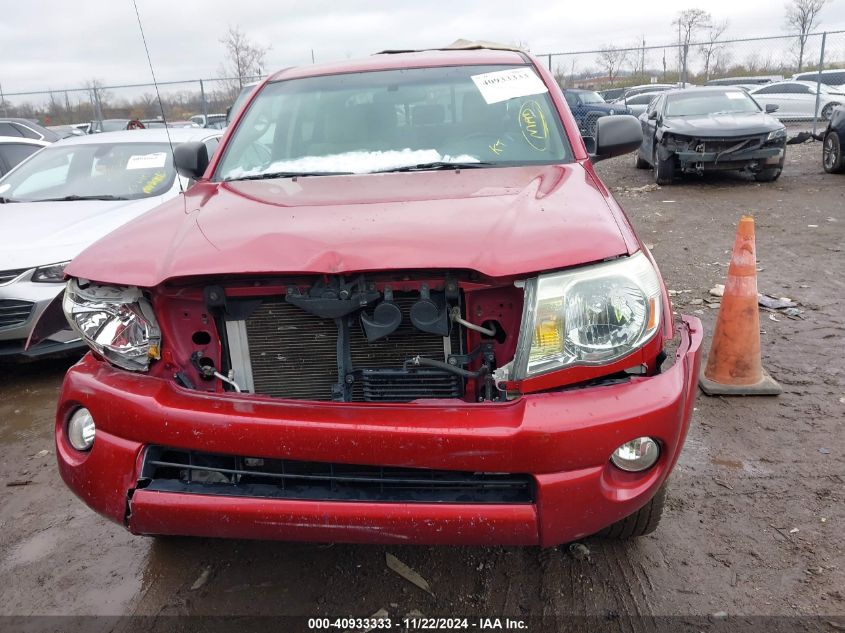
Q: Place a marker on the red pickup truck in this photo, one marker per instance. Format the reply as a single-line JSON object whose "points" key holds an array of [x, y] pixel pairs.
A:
{"points": [[397, 305]]}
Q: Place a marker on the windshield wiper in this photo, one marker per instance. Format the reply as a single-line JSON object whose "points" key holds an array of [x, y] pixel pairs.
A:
{"points": [[6, 200], [434, 165], [74, 198], [288, 174]]}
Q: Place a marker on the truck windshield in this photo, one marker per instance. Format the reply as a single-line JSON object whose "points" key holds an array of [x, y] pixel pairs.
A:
{"points": [[419, 118]]}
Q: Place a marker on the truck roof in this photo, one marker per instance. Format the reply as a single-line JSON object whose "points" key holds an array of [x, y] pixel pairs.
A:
{"points": [[411, 59]]}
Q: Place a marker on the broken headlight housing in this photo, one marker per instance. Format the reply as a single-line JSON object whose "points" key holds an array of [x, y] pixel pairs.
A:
{"points": [[116, 322], [588, 316]]}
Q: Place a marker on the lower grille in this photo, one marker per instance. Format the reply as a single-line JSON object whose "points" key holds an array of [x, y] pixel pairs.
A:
{"points": [[295, 355], [176, 470], [397, 385], [14, 312]]}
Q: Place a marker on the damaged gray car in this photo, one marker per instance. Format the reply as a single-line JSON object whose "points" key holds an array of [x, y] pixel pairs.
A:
{"points": [[699, 130]]}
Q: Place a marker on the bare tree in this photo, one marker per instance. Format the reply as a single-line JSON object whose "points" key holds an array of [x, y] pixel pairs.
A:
{"points": [[711, 47], [689, 23], [244, 58], [802, 16], [610, 60], [99, 97]]}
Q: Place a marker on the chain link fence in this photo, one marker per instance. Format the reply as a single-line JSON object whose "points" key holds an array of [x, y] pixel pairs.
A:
{"points": [[818, 58], [94, 102], [751, 62]]}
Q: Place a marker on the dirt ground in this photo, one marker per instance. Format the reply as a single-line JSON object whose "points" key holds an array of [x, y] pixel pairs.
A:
{"points": [[754, 524]]}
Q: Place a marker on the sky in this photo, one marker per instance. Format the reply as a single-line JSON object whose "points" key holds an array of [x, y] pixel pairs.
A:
{"points": [[55, 44]]}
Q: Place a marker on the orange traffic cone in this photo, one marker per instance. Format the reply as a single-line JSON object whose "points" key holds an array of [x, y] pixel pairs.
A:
{"points": [[734, 367]]}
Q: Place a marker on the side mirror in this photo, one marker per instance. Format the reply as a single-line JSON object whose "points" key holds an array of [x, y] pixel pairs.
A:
{"points": [[190, 159], [771, 107], [616, 135], [652, 115]]}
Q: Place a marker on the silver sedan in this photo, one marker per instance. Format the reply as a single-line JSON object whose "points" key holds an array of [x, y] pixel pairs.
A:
{"points": [[63, 198]]}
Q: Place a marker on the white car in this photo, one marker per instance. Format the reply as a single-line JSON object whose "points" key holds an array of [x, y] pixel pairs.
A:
{"points": [[797, 99], [639, 102], [15, 149], [833, 79], [60, 200]]}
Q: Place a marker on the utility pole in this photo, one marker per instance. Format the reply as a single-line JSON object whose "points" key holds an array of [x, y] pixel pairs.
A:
{"points": [[3, 101], [818, 84], [642, 60], [204, 102], [680, 63]]}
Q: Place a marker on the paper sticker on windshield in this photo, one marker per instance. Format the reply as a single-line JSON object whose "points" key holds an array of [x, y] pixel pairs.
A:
{"points": [[735, 95], [3, 188], [508, 84], [147, 161]]}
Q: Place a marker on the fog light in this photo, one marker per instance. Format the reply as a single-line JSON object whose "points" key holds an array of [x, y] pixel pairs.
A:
{"points": [[636, 455], [81, 430]]}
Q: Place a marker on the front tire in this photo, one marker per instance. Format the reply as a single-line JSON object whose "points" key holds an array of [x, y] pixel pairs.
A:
{"points": [[641, 163], [827, 112], [643, 521], [664, 170], [832, 154]]}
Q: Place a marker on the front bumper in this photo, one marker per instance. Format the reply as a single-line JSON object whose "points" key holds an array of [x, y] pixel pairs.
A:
{"points": [[708, 161], [562, 439]]}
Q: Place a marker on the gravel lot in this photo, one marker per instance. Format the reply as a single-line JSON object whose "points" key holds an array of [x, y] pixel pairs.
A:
{"points": [[754, 524]]}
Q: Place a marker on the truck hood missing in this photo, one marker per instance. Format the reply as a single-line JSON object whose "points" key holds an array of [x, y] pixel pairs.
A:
{"points": [[499, 222]]}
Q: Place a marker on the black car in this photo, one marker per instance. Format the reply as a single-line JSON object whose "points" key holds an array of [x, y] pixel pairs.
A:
{"points": [[834, 139], [588, 107], [699, 130]]}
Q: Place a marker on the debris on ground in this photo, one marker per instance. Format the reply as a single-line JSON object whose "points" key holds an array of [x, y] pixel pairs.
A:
{"points": [[407, 573], [724, 484], [772, 317], [201, 579], [41, 453], [775, 303], [18, 482], [644, 189], [823, 451], [579, 551], [718, 290], [783, 305]]}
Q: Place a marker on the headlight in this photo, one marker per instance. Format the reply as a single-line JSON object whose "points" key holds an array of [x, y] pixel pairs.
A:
{"points": [[776, 135], [590, 316], [54, 273], [116, 322]]}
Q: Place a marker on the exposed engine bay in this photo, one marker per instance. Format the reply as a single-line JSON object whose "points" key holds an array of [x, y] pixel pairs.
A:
{"points": [[365, 338]]}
